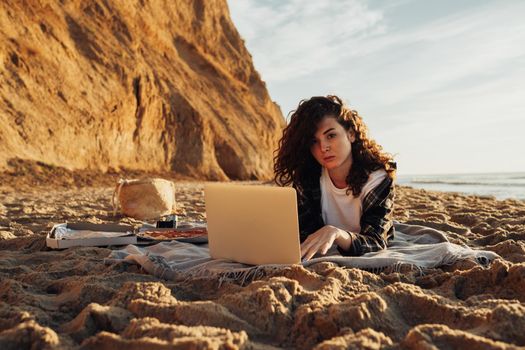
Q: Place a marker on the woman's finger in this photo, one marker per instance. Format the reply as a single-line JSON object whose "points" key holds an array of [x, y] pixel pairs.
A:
{"points": [[315, 244], [324, 249], [314, 250], [309, 243], [305, 247], [305, 250], [309, 256], [308, 253]]}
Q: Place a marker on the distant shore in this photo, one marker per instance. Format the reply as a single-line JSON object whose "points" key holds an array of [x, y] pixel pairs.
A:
{"points": [[499, 185]]}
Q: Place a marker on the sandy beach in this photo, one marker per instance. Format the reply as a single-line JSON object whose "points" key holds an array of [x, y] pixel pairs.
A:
{"points": [[94, 91], [72, 299]]}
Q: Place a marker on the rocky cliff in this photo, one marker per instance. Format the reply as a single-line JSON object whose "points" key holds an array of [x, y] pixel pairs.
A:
{"points": [[133, 84]]}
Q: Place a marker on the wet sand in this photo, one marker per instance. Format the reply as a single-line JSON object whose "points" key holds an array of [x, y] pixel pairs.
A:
{"points": [[71, 299]]}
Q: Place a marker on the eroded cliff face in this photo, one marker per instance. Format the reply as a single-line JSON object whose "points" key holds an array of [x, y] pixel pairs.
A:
{"points": [[137, 84]]}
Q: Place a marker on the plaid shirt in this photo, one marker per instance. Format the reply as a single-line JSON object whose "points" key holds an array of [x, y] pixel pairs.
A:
{"points": [[376, 220]]}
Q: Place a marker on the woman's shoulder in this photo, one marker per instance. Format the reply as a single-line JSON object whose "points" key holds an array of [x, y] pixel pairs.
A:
{"points": [[379, 174], [375, 178]]}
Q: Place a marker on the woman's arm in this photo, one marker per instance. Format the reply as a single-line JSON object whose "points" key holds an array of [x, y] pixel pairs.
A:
{"points": [[376, 225], [309, 211], [376, 221]]}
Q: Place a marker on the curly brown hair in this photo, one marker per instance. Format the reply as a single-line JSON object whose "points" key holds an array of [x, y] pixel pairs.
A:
{"points": [[294, 163]]}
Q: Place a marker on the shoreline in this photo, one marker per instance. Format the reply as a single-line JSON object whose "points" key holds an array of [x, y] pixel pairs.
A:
{"points": [[499, 185]]}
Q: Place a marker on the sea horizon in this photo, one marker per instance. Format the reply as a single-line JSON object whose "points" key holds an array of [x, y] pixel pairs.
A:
{"points": [[502, 185]]}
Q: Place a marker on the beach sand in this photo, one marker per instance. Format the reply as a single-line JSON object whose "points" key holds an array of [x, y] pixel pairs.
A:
{"points": [[71, 299]]}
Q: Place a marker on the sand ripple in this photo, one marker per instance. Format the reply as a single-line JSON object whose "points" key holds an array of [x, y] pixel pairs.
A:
{"points": [[71, 299]]}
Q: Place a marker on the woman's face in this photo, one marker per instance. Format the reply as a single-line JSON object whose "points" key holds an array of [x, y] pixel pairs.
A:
{"points": [[332, 144]]}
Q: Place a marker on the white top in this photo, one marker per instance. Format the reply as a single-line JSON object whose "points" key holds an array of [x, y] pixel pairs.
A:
{"points": [[341, 210]]}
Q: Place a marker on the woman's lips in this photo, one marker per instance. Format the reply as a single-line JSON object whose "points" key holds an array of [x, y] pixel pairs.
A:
{"points": [[327, 159]]}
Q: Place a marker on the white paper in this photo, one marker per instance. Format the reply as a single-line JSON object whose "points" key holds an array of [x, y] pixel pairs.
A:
{"points": [[62, 232]]}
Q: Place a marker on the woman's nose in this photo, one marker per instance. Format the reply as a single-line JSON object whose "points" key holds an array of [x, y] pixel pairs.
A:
{"points": [[324, 146]]}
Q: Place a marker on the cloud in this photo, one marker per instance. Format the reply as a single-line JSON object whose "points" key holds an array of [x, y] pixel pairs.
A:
{"points": [[292, 39], [444, 89], [441, 52], [295, 38]]}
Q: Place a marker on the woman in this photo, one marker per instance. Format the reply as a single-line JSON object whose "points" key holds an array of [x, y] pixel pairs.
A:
{"points": [[343, 179]]}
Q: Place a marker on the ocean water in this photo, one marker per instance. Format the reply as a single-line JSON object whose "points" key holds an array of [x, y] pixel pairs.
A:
{"points": [[499, 185]]}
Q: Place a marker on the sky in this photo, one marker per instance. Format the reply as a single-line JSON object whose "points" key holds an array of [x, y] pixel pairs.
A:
{"points": [[440, 83]]}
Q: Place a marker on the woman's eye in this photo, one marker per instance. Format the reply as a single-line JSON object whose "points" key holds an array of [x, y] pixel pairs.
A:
{"points": [[313, 142], [331, 136]]}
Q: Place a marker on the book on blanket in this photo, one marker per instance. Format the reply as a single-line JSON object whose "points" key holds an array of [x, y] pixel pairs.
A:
{"points": [[252, 224]]}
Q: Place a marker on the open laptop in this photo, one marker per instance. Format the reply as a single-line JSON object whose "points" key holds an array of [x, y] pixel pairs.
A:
{"points": [[252, 224]]}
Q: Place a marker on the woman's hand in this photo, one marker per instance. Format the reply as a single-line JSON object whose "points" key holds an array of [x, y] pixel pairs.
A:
{"points": [[321, 240]]}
